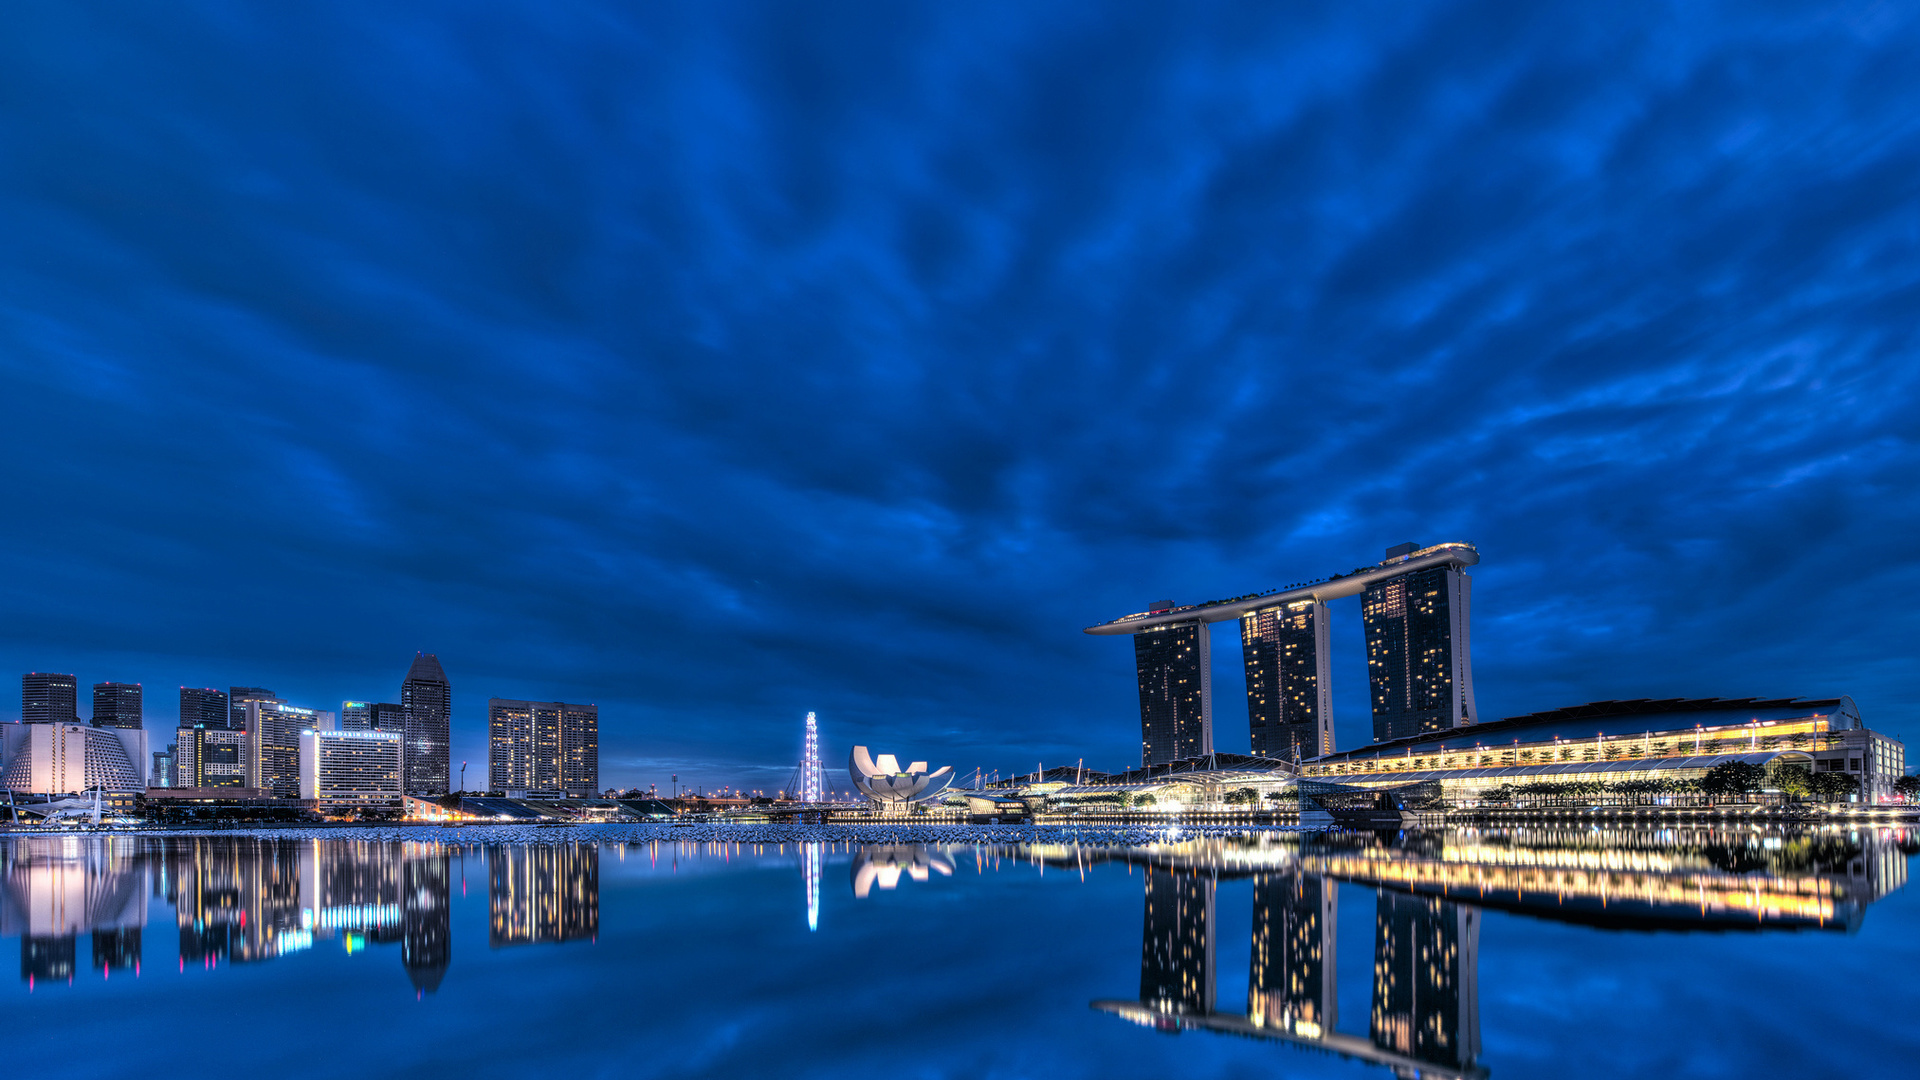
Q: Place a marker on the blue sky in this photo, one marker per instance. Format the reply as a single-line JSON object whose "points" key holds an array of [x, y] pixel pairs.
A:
{"points": [[718, 362]]}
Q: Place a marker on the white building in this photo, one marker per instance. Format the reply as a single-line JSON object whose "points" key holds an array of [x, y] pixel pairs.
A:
{"points": [[350, 770], [211, 757], [58, 759]]}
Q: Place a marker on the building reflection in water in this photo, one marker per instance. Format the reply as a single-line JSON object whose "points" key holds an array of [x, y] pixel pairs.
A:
{"points": [[1424, 1019], [882, 865], [812, 861], [236, 899], [543, 894]]}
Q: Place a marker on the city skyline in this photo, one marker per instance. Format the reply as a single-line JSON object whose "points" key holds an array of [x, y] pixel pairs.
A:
{"points": [[943, 355]]}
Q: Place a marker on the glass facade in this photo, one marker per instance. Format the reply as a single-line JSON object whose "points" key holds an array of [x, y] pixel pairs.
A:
{"points": [[426, 699], [204, 707], [49, 699], [1418, 662], [1175, 680], [116, 705], [1289, 696]]}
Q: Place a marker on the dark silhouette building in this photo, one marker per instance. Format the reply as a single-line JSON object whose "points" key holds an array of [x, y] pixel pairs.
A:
{"points": [[204, 707], [49, 699], [1418, 661], [116, 704], [1176, 721], [426, 904], [1289, 687], [372, 716], [426, 698]]}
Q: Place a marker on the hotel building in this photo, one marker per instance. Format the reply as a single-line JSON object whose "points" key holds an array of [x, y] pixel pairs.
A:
{"points": [[1174, 665], [66, 758], [343, 771], [543, 746]]}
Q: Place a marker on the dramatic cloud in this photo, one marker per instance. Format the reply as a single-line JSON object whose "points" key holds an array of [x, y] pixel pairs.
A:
{"points": [[721, 362]]}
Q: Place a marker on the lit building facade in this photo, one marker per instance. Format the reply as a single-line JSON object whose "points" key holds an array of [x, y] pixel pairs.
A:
{"points": [[1418, 663], [344, 771], [273, 743], [165, 768], [1173, 663], [117, 705], [1426, 956], [543, 746], [1613, 742], [426, 699], [371, 716], [47, 698], [72, 757], [1289, 686], [211, 757], [237, 699], [204, 707]]}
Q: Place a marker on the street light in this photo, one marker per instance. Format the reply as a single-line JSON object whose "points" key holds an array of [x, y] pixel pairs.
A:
{"points": [[463, 778]]}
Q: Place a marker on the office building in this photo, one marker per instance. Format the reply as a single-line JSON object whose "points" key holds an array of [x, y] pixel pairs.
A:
{"points": [[204, 707], [426, 700], [1418, 665], [211, 757], [237, 703], [164, 767], [343, 771], [46, 698], [543, 746], [116, 704], [71, 757], [273, 743], [1176, 681], [1289, 688], [371, 716]]}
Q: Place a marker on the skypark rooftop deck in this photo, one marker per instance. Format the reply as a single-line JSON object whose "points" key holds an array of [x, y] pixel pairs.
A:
{"points": [[1339, 585]]}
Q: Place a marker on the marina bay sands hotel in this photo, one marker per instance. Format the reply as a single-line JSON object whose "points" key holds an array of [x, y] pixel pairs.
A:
{"points": [[1414, 605]]}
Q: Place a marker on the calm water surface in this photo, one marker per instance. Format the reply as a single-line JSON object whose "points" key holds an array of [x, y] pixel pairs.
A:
{"points": [[1462, 954]]}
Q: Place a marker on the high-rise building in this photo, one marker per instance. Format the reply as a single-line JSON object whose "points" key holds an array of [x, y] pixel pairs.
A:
{"points": [[1418, 660], [237, 703], [350, 770], [116, 704], [1425, 998], [543, 746], [426, 698], [1293, 983], [1176, 684], [206, 756], [372, 716], [204, 707], [49, 699], [1176, 942], [165, 767], [1289, 686], [273, 743]]}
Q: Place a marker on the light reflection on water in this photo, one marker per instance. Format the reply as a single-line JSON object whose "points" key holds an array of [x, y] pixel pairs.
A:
{"points": [[239, 901]]}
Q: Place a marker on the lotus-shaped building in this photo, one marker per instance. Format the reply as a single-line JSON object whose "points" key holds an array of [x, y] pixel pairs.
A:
{"points": [[886, 782]]}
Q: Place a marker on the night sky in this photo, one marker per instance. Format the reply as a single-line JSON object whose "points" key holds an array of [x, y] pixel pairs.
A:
{"points": [[719, 362]]}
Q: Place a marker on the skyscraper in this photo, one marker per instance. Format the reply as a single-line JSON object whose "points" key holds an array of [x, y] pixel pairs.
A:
{"points": [[371, 716], [273, 743], [426, 697], [237, 703], [116, 705], [1418, 660], [204, 707], [1176, 682], [543, 746], [49, 699], [1289, 687]]}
